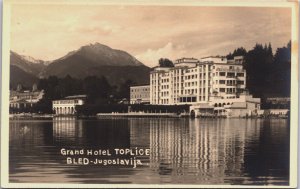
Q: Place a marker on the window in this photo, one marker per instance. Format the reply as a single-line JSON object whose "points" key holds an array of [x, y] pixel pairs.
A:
{"points": [[240, 90], [222, 89], [230, 74], [222, 81], [240, 82], [222, 73], [240, 74]]}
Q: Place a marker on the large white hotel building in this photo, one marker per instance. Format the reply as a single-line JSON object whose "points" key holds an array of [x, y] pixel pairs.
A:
{"points": [[192, 80], [208, 82]]}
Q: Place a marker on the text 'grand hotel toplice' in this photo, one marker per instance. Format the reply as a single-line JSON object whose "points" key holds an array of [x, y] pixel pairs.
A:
{"points": [[211, 85]]}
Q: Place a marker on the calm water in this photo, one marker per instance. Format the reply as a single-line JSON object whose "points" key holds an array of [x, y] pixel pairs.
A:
{"points": [[182, 151]]}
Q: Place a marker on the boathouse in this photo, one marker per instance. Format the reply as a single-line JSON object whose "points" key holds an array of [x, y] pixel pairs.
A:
{"points": [[67, 105]]}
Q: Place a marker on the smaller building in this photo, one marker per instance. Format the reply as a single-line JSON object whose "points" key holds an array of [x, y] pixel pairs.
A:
{"points": [[278, 103], [277, 113], [243, 106], [67, 105], [140, 94], [20, 104], [19, 98]]}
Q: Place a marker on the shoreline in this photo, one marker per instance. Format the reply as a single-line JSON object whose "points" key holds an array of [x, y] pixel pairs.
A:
{"points": [[124, 116], [262, 114]]}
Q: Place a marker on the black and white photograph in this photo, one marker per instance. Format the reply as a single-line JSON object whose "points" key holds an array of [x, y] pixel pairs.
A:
{"points": [[149, 94]]}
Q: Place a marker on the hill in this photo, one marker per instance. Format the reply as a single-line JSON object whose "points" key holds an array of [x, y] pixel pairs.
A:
{"points": [[90, 60], [27, 63], [19, 76]]}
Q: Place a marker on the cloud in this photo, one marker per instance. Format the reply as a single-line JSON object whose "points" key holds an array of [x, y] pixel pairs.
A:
{"points": [[149, 32], [151, 56], [109, 27]]}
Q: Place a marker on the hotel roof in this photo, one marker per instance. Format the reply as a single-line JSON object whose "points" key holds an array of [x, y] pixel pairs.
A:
{"points": [[75, 96]]}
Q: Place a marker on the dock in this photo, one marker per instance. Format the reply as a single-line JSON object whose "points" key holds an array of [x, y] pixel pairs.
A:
{"points": [[136, 114]]}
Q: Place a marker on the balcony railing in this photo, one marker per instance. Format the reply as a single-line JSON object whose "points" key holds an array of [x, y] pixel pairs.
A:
{"points": [[228, 70], [231, 76]]}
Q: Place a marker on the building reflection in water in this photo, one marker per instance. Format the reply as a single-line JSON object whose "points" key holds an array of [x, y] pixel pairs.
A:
{"points": [[70, 131], [204, 151], [203, 147], [67, 130]]}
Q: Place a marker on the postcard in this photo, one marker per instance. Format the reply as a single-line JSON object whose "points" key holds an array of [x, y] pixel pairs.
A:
{"points": [[149, 94]]}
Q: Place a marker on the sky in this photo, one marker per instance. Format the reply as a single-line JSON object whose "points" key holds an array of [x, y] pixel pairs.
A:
{"points": [[48, 32]]}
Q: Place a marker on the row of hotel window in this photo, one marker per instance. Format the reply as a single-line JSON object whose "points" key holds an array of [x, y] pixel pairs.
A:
{"points": [[192, 84], [139, 96], [181, 99], [140, 89], [194, 91], [189, 99], [213, 67], [202, 68], [221, 73], [229, 74]]}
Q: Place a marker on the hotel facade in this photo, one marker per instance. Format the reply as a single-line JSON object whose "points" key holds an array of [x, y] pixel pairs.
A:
{"points": [[140, 94], [211, 85], [19, 99]]}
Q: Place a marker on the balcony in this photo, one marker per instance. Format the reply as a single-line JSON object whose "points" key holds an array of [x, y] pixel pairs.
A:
{"points": [[230, 92], [230, 70], [230, 76]]}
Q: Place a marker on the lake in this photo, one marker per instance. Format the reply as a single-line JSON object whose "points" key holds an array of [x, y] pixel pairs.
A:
{"points": [[181, 151]]}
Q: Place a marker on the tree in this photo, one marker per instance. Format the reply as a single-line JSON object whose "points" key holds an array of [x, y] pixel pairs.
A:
{"points": [[267, 74], [241, 51], [124, 91], [257, 64], [281, 71], [96, 88], [283, 55], [164, 62]]}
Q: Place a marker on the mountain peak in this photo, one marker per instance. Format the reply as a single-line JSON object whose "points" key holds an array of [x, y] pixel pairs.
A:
{"points": [[26, 63], [95, 46], [27, 59], [104, 55]]}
